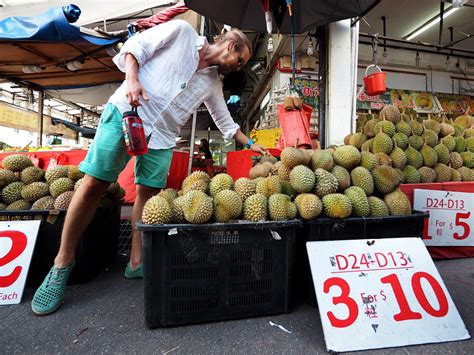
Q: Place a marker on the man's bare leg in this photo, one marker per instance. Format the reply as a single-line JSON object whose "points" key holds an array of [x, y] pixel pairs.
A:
{"points": [[80, 213], [143, 194]]}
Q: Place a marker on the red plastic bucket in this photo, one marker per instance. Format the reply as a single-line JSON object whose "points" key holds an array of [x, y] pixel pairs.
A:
{"points": [[375, 83]]}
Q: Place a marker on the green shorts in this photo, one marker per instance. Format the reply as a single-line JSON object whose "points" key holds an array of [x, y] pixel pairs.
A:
{"points": [[107, 155]]}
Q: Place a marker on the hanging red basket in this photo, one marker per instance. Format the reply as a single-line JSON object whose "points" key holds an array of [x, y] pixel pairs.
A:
{"points": [[375, 83]]}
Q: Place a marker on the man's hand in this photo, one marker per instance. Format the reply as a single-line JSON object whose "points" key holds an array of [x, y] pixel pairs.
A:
{"points": [[133, 91], [258, 149]]}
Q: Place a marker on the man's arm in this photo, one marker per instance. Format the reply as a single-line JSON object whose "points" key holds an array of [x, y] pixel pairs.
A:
{"points": [[243, 139], [133, 88]]}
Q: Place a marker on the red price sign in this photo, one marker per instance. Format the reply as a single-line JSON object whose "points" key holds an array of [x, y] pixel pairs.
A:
{"points": [[381, 294], [451, 217], [17, 241]]}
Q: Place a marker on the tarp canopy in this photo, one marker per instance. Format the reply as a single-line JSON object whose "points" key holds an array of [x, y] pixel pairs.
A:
{"points": [[48, 51]]}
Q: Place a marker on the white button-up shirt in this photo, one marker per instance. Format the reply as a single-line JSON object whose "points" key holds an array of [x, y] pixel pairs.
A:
{"points": [[168, 58]]}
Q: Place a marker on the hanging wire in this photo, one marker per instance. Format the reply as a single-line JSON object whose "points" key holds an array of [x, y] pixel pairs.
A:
{"points": [[375, 42]]}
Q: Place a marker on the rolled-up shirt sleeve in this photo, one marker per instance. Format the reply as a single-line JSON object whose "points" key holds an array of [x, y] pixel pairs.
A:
{"points": [[217, 108], [144, 44]]}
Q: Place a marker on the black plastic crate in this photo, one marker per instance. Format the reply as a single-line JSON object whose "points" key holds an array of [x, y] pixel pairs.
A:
{"points": [[324, 228], [96, 249], [212, 272]]}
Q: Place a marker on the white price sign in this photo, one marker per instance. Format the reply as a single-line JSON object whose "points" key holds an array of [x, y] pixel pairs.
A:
{"points": [[382, 293], [17, 242], [451, 219]]}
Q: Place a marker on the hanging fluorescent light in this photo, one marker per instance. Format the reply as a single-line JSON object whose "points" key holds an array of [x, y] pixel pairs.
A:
{"points": [[448, 63], [74, 65], [431, 23], [417, 60], [310, 49], [30, 69]]}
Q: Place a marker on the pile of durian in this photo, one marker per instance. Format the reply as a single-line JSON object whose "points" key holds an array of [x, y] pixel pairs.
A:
{"points": [[421, 151], [337, 183], [26, 187]]}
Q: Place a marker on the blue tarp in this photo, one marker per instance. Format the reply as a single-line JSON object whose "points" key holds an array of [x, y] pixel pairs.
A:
{"points": [[53, 25]]}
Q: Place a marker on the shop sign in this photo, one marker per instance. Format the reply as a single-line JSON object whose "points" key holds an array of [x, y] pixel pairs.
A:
{"points": [[381, 293], [451, 219], [17, 242], [366, 102], [308, 91]]}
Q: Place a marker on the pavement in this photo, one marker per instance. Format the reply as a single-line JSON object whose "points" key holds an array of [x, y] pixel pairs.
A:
{"points": [[106, 316]]}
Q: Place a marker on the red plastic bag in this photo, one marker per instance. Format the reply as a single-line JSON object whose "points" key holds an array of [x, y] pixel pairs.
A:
{"points": [[294, 127], [37, 161], [58, 159]]}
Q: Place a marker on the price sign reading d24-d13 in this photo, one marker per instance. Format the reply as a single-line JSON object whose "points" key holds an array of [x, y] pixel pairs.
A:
{"points": [[380, 294], [451, 221]]}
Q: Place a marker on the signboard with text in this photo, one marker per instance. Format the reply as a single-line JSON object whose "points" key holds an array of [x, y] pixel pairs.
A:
{"points": [[17, 242], [451, 219], [308, 91], [381, 293]]}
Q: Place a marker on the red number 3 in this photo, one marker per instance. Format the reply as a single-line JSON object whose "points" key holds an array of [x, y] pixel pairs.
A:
{"points": [[19, 241], [342, 298]]}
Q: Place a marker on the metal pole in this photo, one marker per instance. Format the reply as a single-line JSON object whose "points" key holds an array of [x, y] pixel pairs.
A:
{"points": [[40, 118], [355, 59], [193, 126], [323, 60]]}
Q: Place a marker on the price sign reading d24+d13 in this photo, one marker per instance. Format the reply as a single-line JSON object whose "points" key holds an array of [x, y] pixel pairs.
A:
{"points": [[451, 221], [381, 293]]}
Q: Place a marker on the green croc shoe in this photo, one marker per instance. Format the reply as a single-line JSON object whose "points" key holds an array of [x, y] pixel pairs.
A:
{"points": [[49, 296], [134, 274]]}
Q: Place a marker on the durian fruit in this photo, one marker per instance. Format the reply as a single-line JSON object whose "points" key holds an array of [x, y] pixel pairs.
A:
{"points": [[369, 128], [361, 177], [469, 143], [112, 189], [169, 194], [399, 159], [31, 174], [443, 153], [468, 159], [455, 160], [260, 170], [12, 192], [177, 210], [368, 145], [244, 187], [386, 179], [307, 155], [382, 143], [401, 175], [455, 175], [44, 203], [357, 139], [416, 142], [268, 186], [386, 127], [78, 183], [309, 205], [416, 127], [6, 177], [368, 160], [16, 162], [430, 137], [59, 171], [219, 183], [61, 185], [458, 129], [342, 176], [412, 175], [35, 191], [284, 172], [197, 207], [198, 180], [460, 144], [347, 138], [291, 157], [62, 201], [449, 142], [401, 140], [443, 173], [430, 158], [322, 159], [227, 206], [390, 113], [383, 159], [398, 203], [268, 158], [432, 125], [446, 128], [469, 132], [377, 206], [326, 183], [427, 175], [255, 208], [414, 157], [466, 173], [157, 210], [465, 120], [404, 128], [279, 207], [347, 156], [358, 198], [19, 205], [337, 206], [287, 189], [2, 206], [302, 179], [74, 173], [274, 169]]}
